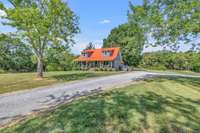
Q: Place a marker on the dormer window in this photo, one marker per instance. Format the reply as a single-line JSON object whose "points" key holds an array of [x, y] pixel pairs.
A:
{"points": [[86, 54], [106, 53]]}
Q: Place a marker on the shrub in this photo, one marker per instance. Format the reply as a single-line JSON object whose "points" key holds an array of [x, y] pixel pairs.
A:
{"points": [[2, 71], [105, 69], [96, 69], [110, 69], [52, 67], [101, 69], [196, 68]]}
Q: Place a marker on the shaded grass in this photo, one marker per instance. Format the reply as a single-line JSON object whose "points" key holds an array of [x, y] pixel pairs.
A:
{"points": [[160, 105], [20, 81]]}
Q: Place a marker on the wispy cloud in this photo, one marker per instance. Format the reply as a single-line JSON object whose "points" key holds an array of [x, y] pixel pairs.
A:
{"points": [[105, 21]]}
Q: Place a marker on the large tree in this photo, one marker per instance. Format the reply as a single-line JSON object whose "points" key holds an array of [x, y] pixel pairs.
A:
{"points": [[130, 38], [169, 22], [42, 24]]}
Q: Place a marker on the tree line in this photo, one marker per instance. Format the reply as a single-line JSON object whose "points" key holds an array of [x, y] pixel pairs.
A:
{"points": [[45, 31], [163, 60], [15, 56], [41, 25], [170, 24]]}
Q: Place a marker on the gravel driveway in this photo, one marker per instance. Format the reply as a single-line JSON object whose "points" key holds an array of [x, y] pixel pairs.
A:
{"points": [[18, 104]]}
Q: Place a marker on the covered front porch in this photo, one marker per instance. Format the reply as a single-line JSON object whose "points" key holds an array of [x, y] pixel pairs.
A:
{"points": [[95, 64]]}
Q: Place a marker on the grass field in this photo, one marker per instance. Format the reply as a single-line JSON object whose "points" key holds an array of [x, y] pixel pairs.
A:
{"points": [[161, 105], [176, 72], [20, 81]]}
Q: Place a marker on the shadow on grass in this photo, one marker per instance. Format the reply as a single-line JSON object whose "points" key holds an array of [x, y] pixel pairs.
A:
{"points": [[74, 76], [116, 112]]}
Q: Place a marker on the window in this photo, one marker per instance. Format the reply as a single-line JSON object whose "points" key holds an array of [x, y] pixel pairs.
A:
{"points": [[106, 53], [85, 55]]}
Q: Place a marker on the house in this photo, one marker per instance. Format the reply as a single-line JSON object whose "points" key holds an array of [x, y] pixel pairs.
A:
{"points": [[102, 57]]}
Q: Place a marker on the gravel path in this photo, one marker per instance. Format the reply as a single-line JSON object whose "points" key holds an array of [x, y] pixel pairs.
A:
{"points": [[18, 104]]}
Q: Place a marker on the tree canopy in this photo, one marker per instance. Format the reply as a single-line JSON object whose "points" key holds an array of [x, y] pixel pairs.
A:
{"points": [[171, 60], [15, 55], [169, 22], [42, 24], [90, 46], [59, 59], [130, 38]]}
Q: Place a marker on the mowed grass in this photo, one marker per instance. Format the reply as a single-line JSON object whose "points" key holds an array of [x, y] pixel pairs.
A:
{"points": [[161, 105], [20, 81], [185, 72]]}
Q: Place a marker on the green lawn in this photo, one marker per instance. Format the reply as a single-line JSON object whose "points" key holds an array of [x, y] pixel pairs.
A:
{"points": [[162, 105], [177, 71], [20, 81]]}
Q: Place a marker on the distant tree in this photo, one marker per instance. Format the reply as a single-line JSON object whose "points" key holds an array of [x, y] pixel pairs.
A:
{"points": [[42, 24], [169, 22], [90, 46], [171, 60], [15, 55], [130, 38], [59, 59]]}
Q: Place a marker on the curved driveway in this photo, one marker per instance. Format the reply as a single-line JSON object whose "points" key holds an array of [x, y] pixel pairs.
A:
{"points": [[18, 104]]}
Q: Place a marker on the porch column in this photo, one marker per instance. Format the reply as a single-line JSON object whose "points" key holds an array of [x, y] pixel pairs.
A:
{"points": [[100, 63], [81, 64], [86, 64]]}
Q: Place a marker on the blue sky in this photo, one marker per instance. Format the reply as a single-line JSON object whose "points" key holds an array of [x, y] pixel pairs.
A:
{"points": [[97, 19]]}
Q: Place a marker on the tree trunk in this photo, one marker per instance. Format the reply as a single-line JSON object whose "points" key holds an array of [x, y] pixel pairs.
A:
{"points": [[40, 68]]}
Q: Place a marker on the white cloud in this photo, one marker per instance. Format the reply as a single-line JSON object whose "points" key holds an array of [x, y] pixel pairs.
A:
{"points": [[105, 21], [98, 43], [78, 47], [2, 13]]}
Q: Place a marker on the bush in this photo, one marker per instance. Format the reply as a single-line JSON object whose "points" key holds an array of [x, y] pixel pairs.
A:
{"points": [[96, 69], [101, 69], [76, 68], [2, 71], [110, 69], [105, 69], [196, 68], [51, 67]]}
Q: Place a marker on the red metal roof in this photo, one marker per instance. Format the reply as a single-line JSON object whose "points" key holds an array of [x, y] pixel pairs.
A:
{"points": [[97, 55]]}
